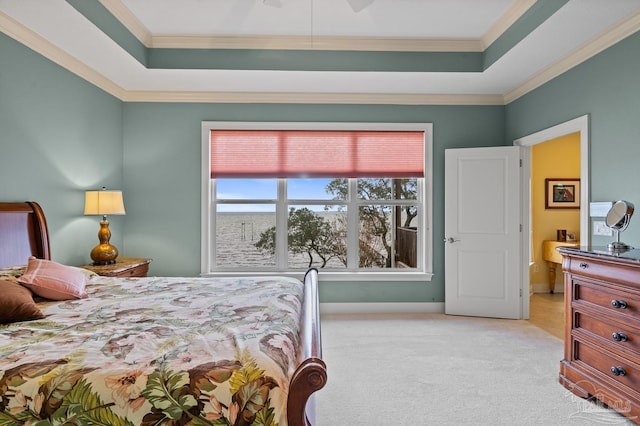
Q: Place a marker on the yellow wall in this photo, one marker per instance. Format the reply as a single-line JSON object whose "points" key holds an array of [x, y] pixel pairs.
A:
{"points": [[556, 158]]}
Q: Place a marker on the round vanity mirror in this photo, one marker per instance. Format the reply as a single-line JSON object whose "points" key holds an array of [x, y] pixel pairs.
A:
{"points": [[618, 219]]}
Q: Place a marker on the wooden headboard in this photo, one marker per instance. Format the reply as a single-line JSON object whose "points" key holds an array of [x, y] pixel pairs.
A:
{"points": [[23, 233]]}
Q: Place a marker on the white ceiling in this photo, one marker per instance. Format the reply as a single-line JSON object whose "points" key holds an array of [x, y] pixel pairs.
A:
{"points": [[578, 30], [383, 18]]}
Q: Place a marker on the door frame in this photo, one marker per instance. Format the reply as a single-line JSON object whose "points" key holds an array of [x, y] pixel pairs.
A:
{"points": [[580, 125]]}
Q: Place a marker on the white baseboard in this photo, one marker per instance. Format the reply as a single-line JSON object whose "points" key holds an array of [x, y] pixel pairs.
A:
{"points": [[382, 308]]}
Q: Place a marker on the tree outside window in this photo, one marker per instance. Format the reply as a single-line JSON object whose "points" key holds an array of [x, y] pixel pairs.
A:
{"points": [[322, 238]]}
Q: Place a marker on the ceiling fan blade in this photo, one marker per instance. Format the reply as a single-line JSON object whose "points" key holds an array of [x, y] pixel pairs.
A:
{"points": [[273, 3], [358, 5]]}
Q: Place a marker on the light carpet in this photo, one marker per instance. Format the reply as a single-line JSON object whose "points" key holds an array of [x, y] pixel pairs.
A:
{"points": [[435, 369]]}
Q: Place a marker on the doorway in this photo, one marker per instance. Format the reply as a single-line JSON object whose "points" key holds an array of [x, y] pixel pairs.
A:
{"points": [[547, 313], [578, 125]]}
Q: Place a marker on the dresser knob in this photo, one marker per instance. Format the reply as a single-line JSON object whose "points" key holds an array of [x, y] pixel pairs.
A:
{"points": [[619, 304], [618, 371], [619, 337], [584, 265]]}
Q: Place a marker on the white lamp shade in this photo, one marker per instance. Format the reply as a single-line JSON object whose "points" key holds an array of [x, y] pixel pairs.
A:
{"points": [[103, 203]]}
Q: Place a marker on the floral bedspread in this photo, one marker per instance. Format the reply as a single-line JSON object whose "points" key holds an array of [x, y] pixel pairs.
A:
{"points": [[151, 351]]}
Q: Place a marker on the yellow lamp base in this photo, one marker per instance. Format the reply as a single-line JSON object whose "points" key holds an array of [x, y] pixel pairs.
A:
{"points": [[104, 253]]}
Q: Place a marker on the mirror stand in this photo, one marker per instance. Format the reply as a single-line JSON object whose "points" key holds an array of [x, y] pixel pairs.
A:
{"points": [[618, 219], [617, 245]]}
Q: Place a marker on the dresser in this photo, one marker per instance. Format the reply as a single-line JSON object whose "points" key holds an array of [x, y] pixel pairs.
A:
{"points": [[602, 327]]}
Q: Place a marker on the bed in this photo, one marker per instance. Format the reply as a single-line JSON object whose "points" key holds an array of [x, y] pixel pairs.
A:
{"points": [[155, 350]]}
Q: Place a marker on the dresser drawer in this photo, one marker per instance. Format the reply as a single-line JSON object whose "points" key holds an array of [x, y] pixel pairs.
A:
{"points": [[620, 336], [605, 270], [138, 271], [606, 296], [597, 360], [125, 267]]}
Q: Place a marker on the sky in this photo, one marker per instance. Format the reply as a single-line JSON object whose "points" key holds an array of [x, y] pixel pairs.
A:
{"points": [[266, 189]]}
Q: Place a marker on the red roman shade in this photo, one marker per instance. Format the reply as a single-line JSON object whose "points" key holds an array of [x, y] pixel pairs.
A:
{"points": [[316, 153]]}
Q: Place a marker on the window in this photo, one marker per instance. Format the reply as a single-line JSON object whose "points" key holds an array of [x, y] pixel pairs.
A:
{"points": [[351, 199]]}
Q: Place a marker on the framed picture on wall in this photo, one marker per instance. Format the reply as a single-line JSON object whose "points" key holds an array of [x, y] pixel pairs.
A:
{"points": [[562, 193]]}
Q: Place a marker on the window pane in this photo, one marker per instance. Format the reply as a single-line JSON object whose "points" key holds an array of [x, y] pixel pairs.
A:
{"points": [[388, 189], [406, 188], [388, 236], [407, 237], [242, 236], [317, 189], [317, 237], [246, 189]]}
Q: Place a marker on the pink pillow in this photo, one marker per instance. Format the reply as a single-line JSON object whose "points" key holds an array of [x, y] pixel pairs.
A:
{"points": [[55, 281]]}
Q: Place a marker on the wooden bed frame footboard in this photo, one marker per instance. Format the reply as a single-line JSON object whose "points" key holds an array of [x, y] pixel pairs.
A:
{"points": [[311, 374]]}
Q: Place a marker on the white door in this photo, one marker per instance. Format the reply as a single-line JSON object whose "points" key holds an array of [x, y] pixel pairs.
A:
{"points": [[483, 232]]}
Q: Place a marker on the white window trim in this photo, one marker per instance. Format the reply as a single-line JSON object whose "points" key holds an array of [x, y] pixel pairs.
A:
{"points": [[382, 275]]}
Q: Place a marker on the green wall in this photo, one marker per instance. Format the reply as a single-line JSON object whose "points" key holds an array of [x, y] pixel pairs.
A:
{"points": [[59, 136], [162, 149], [607, 88], [72, 136]]}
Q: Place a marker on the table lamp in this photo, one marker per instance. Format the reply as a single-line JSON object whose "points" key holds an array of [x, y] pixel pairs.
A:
{"points": [[104, 203]]}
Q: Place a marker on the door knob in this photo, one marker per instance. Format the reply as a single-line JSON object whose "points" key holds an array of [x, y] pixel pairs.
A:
{"points": [[451, 240]]}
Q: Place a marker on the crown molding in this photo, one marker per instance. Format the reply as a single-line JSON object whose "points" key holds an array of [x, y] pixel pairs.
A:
{"points": [[513, 13], [123, 14], [312, 98], [608, 38], [39, 44], [45, 48], [316, 43]]}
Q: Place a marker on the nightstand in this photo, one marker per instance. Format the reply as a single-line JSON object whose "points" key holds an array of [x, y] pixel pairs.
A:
{"points": [[123, 268]]}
